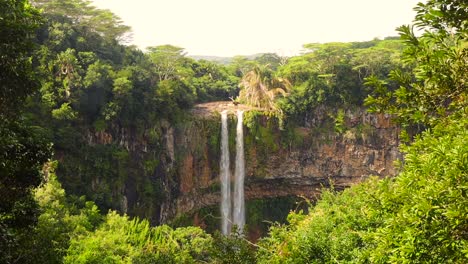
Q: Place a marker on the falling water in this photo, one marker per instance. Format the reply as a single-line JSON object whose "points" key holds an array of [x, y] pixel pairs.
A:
{"points": [[225, 177], [239, 204]]}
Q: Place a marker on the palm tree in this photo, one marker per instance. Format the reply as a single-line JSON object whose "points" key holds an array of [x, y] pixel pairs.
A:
{"points": [[259, 88]]}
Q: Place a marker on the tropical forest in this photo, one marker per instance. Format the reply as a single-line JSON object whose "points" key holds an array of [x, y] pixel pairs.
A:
{"points": [[347, 152]]}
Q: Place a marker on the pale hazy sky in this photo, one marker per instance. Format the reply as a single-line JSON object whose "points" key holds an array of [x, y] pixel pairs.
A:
{"points": [[243, 27]]}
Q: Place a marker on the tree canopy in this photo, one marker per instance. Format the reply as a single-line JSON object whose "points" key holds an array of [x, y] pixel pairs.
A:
{"points": [[22, 149]]}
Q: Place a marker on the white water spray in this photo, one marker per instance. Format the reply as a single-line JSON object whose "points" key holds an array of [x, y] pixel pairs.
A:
{"points": [[239, 203], [225, 177]]}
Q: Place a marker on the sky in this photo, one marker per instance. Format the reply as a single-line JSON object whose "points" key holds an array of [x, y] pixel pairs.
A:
{"points": [[245, 27]]}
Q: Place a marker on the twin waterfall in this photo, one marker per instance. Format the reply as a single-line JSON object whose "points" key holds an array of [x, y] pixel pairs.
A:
{"points": [[239, 203], [225, 177], [238, 213]]}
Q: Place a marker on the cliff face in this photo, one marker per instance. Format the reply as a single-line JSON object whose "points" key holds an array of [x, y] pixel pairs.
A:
{"points": [[294, 161], [169, 170]]}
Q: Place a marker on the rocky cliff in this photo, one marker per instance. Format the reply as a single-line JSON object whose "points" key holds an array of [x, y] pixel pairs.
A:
{"points": [[168, 170], [293, 161]]}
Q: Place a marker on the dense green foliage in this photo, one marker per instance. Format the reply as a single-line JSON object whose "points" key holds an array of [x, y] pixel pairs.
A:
{"points": [[333, 74], [18, 22], [120, 240], [330, 74], [62, 217], [421, 215], [22, 149], [418, 217], [72, 230], [437, 85]]}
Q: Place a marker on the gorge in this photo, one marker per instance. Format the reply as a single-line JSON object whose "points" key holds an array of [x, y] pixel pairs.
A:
{"points": [[113, 154], [296, 161]]}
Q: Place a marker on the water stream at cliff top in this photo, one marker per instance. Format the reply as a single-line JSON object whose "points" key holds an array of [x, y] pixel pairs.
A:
{"points": [[225, 177], [239, 203]]}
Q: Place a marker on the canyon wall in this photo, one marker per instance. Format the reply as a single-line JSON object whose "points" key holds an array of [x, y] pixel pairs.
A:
{"points": [[169, 170], [294, 160]]}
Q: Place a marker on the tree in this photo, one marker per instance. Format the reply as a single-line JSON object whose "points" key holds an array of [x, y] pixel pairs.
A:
{"points": [[332, 74], [82, 12], [121, 240], [17, 25], [240, 65], [167, 60], [377, 60], [273, 60], [22, 150], [61, 218], [437, 86], [259, 88], [212, 81]]}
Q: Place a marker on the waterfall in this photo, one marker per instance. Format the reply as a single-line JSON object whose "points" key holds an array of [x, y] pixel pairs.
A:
{"points": [[225, 177], [238, 213], [239, 203]]}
